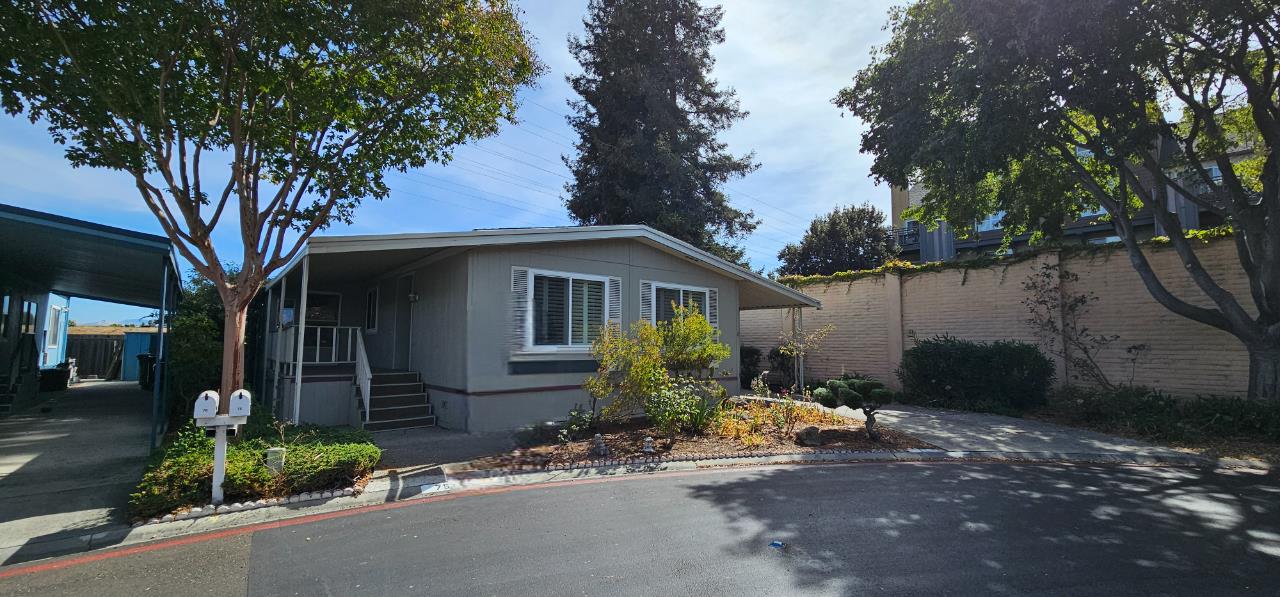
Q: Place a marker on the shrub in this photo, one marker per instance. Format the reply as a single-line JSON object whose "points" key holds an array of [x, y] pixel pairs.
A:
{"points": [[690, 344], [749, 365], [864, 386], [1158, 416], [686, 404], [579, 423], [631, 369], [826, 398], [317, 458], [848, 397], [834, 385], [782, 365], [880, 396], [635, 367], [1001, 376]]}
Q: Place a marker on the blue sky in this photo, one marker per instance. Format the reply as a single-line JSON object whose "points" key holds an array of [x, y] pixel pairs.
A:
{"points": [[786, 61]]}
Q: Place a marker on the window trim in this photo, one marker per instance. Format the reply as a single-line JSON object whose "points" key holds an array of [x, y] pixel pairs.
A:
{"points": [[373, 296], [54, 323], [529, 346], [653, 298]]}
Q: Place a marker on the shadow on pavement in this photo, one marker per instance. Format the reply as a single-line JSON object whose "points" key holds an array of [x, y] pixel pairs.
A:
{"points": [[966, 529]]}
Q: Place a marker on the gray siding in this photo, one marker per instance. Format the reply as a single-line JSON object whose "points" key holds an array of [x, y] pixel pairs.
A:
{"points": [[501, 400]]}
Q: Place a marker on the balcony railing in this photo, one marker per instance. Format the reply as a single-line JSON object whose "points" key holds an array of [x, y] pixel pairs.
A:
{"points": [[906, 237]]}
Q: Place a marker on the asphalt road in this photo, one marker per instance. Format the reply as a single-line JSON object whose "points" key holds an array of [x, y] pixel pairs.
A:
{"points": [[884, 529]]}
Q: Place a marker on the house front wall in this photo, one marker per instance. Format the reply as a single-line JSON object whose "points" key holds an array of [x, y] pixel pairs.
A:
{"points": [[507, 387]]}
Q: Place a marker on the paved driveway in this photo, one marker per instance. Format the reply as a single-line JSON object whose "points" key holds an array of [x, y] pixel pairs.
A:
{"points": [[960, 430], [68, 472]]}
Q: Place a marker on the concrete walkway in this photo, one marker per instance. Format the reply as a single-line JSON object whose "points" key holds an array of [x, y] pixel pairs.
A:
{"points": [[960, 430], [67, 473], [430, 447]]}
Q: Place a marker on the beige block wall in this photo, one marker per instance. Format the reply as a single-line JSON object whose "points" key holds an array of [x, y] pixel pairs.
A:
{"points": [[1184, 357]]}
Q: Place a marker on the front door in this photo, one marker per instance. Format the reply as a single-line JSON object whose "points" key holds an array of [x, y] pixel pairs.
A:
{"points": [[402, 350]]}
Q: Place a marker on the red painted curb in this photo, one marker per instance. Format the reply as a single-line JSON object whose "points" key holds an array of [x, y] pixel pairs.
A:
{"points": [[112, 553]]}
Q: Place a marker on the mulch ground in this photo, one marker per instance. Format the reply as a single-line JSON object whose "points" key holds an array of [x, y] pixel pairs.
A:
{"points": [[626, 440]]}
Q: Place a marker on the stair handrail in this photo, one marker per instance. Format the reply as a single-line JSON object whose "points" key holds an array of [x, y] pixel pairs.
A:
{"points": [[364, 374]]}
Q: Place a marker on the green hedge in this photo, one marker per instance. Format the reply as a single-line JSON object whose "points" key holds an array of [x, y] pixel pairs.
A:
{"points": [[1003, 376], [1158, 416], [317, 458]]}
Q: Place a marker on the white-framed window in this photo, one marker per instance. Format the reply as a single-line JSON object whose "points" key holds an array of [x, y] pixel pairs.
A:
{"points": [[659, 299], [371, 310], [563, 310], [54, 326]]}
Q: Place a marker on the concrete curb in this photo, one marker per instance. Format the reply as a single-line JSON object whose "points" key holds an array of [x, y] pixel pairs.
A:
{"points": [[494, 477]]}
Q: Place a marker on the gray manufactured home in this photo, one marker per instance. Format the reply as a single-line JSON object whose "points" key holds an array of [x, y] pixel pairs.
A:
{"points": [[483, 330]]}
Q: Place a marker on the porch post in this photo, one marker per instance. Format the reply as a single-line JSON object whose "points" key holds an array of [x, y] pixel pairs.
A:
{"points": [[302, 337], [158, 416], [280, 335], [800, 358], [263, 348]]}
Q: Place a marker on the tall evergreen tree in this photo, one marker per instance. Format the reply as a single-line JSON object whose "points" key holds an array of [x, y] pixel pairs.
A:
{"points": [[648, 120], [848, 238]]}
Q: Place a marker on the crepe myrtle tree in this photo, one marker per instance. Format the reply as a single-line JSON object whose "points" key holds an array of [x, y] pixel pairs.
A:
{"points": [[1047, 109], [294, 109]]}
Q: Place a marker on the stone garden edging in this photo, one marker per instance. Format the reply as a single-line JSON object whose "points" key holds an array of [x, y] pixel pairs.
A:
{"points": [[209, 510]]}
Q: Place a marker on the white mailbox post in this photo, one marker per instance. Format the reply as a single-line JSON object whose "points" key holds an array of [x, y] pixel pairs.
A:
{"points": [[206, 415]]}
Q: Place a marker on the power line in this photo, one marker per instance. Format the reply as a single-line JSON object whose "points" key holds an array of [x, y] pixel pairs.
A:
{"points": [[520, 161], [529, 153], [530, 207], [490, 176], [507, 214]]}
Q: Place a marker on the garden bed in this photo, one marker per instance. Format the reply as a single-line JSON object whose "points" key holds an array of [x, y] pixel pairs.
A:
{"points": [[180, 475], [753, 427]]}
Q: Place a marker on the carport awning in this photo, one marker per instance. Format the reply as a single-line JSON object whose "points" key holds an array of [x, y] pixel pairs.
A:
{"points": [[40, 251]]}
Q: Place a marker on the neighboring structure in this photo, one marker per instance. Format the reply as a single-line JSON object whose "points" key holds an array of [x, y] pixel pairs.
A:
{"points": [[482, 330], [48, 260], [919, 244]]}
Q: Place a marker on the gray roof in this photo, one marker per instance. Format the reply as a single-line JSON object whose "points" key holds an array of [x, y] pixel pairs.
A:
{"points": [[774, 294]]}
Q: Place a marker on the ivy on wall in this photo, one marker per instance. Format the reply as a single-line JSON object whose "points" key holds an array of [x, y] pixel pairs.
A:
{"points": [[906, 268]]}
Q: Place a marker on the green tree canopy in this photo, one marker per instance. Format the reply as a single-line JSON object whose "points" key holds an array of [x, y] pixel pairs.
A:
{"points": [[1045, 109], [848, 238], [308, 102], [648, 120]]}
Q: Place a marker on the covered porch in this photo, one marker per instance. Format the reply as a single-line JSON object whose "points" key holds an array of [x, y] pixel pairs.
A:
{"points": [[335, 329]]}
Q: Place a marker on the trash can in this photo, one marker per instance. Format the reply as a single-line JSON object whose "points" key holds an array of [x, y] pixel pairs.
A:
{"points": [[146, 370], [54, 380]]}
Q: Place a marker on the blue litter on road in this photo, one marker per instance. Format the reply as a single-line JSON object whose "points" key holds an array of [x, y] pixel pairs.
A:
{"points": [[777, 544]]}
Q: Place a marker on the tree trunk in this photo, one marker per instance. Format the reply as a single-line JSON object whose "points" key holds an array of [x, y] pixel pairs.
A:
{"points": [[233, 327], [1264, 372]]}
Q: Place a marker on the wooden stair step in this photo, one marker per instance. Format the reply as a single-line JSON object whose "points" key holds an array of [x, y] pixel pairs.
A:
{"points": [[389, 377], [400, 412], [408, 423], [395, 389], [399, 400]]}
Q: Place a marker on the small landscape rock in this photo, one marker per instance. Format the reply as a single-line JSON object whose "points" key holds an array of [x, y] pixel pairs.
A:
{"points": [[348, 491], [166, 518], [809, 436]]}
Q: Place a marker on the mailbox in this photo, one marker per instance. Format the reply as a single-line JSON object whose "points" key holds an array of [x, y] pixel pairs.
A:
{"points": [[207, 405], [239, 404]]}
